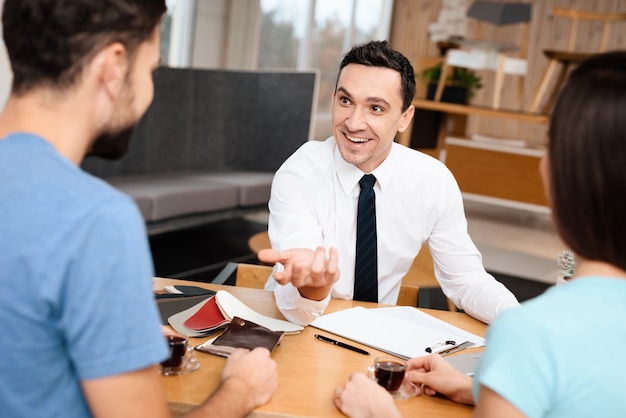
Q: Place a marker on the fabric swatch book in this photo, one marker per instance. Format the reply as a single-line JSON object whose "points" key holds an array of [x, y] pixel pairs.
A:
{"points": [[173, 305], [402, 331], [178, 298], [232, 307], [181, 291], [241, 333], [202, 319], [208, 318]]}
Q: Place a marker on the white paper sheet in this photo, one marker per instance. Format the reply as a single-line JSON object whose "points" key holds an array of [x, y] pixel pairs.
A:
{"points": [[394, 330], [416, 316]]}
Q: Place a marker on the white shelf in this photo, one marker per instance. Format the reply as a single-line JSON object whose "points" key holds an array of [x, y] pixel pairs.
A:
{"points": [[531, 152]]}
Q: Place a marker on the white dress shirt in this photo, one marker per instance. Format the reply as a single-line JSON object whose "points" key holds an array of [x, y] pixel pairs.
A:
{"points": [[314, 203]]}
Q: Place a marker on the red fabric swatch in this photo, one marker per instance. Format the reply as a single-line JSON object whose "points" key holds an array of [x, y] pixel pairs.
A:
{"points": [[208, 318]]}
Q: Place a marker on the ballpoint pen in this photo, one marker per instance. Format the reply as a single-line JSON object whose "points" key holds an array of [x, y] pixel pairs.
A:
{"points": [[340, 344]]}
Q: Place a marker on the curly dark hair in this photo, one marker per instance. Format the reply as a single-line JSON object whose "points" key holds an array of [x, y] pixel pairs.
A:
{"points": [[380, 54], [49, 41], [587, 159]]}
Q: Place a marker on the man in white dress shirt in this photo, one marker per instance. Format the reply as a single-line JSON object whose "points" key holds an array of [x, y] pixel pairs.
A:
{"points": [[313, 206]]}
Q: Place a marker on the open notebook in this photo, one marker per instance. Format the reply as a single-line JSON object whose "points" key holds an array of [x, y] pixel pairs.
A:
{"points": [[402, 331]]}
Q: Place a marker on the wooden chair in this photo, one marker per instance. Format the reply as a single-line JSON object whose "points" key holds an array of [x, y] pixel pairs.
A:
{"points": [[252, 275], [244, 275], [569, 57], [495, 56]]}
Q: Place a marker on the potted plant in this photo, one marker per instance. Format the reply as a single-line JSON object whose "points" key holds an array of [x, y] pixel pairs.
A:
{"points": [[461, 84]]}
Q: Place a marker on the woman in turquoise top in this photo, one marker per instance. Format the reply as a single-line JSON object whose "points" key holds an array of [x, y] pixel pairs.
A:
{"points": [[558, 355]]}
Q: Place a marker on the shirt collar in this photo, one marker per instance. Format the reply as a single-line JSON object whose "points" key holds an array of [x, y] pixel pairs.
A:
{"points": [[349, 174]]}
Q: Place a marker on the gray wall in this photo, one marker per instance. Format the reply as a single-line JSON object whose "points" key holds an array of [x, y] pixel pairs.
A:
{"points": [[218, 120]]}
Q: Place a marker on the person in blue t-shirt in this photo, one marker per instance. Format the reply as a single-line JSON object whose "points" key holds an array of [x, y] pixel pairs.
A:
{"points": [[558, 355], [81, 335]]}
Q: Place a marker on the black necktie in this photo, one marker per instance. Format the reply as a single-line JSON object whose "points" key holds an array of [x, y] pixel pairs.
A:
{"points": [[366, 265]]}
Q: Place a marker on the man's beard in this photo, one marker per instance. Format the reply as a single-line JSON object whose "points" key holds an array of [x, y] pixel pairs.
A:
{"points": [[111, 145], [112, 142]]}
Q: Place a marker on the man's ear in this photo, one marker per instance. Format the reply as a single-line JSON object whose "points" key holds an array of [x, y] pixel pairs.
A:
{"points": [[111, 67], [406, 118]]}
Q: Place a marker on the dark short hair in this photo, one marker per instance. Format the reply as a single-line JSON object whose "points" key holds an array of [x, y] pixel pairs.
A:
{"points": [[50, 41], [587, 156], [380, 54]]}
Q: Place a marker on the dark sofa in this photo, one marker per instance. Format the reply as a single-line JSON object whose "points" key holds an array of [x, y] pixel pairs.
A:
{"points": [[208, 146]]}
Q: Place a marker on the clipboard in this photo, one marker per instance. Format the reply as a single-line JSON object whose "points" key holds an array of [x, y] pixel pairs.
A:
{"points": [[406, 337]]}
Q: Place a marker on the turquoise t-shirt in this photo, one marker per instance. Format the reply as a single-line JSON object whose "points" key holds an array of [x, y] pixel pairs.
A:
{"points": [[76, 282], [562, 353]]}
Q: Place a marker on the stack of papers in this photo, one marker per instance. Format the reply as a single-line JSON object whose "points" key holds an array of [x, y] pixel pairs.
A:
{"points": [[402, 331]]}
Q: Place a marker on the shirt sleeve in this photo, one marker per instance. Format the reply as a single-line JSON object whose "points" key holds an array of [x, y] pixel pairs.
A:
{"points": [[458, 263], [294, 223], [518, 363], [109, 314], [295, 308]]}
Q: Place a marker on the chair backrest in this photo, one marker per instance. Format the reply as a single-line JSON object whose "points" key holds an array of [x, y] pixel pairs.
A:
{"points": [[578, 16], [408, 295], [252, 275]]}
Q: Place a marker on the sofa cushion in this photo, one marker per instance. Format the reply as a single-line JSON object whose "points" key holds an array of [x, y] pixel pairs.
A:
{"points": [[177, 194], [254, 186]]}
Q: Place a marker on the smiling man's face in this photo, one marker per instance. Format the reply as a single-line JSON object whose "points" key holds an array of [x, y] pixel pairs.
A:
{"points": [[367, 114]]}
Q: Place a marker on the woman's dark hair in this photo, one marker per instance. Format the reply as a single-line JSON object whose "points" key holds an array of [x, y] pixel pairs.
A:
{"points": [[587, 157], [49, 41], [380, 54]]}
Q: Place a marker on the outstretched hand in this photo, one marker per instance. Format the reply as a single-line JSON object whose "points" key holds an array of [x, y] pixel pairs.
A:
{"points": [[435, 375], [310, 271]]}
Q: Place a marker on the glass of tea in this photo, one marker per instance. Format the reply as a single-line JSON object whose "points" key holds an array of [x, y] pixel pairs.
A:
{"points": [[181, 358], [388, 371]]}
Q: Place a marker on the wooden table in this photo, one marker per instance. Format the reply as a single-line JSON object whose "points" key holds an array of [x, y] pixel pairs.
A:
{"points": [[308, 370]]}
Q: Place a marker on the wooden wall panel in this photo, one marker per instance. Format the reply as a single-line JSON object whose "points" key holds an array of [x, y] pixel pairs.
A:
{"points": [[409, 28], [409, 34]]}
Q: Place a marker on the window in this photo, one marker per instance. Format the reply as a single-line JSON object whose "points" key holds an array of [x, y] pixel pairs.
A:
{"points": [[315, 34], [176, 33], [273, 34], [6, 74]]}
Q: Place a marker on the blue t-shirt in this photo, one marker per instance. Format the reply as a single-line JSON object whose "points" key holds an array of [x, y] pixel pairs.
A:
{"points": [[562, 353], [76, 277]]}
